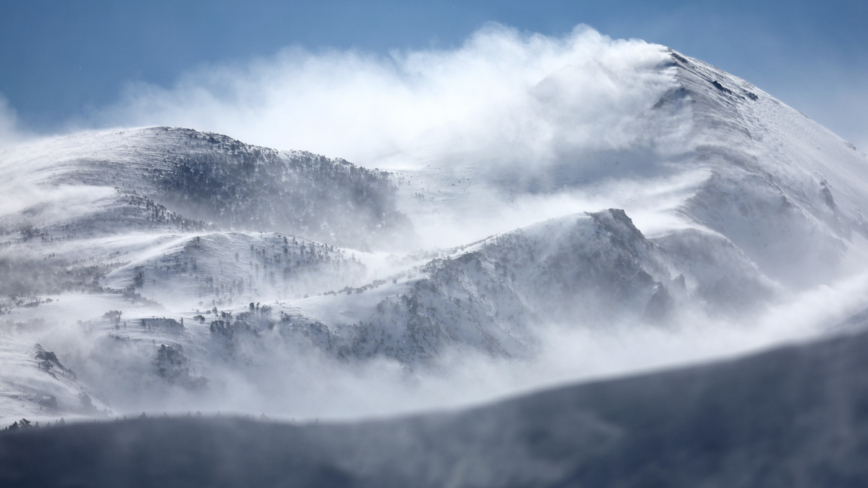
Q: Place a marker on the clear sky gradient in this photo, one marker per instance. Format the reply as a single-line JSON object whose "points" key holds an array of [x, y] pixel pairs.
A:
{"points": [[65, 59]]}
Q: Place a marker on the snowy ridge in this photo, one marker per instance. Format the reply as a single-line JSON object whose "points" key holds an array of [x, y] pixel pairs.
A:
{"points": [[167, 266], [591, 270], [214, 179], [774, 173]]}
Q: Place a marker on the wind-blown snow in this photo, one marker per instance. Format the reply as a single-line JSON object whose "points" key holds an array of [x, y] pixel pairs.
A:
{"points": [[553, 209], [503, 98]]}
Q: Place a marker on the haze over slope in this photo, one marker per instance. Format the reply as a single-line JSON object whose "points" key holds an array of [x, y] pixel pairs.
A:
{"points": [[606, 206], [687, 427]]}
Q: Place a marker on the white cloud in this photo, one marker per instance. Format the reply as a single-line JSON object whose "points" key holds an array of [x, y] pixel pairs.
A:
{"points": [[503, 96]]}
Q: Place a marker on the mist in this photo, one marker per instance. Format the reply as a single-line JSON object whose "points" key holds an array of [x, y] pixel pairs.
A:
{"points": [[10, 132], [286, 380], [160, 262], [504, 96], [507, 119]]}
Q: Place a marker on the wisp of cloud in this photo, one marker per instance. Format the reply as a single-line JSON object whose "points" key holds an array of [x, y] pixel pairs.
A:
{"points": [[502, 97]]}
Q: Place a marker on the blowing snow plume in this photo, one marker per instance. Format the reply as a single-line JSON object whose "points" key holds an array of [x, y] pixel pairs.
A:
{"points": [[503, 98], [546, 209], [10, 132]]}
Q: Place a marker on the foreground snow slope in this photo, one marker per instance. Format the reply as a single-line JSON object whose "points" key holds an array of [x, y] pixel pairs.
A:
{"points": [[807, 426]]}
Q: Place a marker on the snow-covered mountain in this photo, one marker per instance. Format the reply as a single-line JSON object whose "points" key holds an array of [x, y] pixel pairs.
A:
{"points": [[713, 152], [158, 266]]}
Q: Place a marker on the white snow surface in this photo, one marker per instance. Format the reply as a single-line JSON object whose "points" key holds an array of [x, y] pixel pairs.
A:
{"points": [[723, 213]]}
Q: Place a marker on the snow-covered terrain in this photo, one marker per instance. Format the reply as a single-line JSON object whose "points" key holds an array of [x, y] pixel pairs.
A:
{"points": [[679, 428], [166, 269]]}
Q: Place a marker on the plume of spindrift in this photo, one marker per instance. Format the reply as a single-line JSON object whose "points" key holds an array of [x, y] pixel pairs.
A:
{"points": [[517, 212]]}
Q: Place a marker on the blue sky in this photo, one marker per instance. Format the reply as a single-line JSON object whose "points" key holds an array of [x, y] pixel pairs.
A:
{"points": [[65, 60]]}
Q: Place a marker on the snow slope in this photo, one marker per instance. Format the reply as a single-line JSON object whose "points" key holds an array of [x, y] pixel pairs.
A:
{"points": [[715, 153], [205, 177], [189, 268]]}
